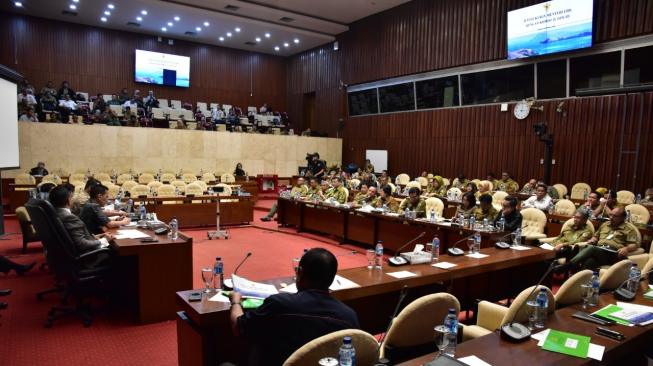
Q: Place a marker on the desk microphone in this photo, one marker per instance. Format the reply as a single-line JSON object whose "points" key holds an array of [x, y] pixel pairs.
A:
{"points": [[500, 244], [455, 251], [400, 261], [402, 296], [623, 293], [249, 254], [516, 332]]}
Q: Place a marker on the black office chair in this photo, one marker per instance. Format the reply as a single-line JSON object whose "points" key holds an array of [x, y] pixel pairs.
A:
{"points": [[66, 264]]}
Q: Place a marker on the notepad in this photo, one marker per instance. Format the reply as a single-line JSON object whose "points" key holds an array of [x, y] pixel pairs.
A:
{"points": [[402, 274], [477, 255], [473, 361], [219, 297], [607, 311], [341, 283], [520, 247], [594, 351], [444, 265], [567, 343], [131, 234], [253, 289], [547, 246]]}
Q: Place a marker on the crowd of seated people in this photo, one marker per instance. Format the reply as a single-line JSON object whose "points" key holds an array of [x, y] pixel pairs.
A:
{"points": [[134, 110]]}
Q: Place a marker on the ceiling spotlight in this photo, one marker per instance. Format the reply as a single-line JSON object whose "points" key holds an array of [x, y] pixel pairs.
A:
{"points": [[206, 24], [267, 35], [18, 4], [139, 18], [276, 48], [169, 24], [198, 29], [104, 19], [110, 6], [107, 13], [221, 39], [237, 29], [144, 12], [286, 45], [176, 19], [228, 34], [258, 39], [164, 29], [75, 1], [296, 40], [72, 6]]}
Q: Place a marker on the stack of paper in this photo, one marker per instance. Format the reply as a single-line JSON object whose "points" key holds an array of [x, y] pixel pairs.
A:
{"points": [[339, 283], [253, 289], [608, 311], [131, 234], [635, 314], [569, 344]]}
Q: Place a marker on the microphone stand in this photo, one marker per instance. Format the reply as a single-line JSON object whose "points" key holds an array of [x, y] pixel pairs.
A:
{"points": [[249, 254], [400, 261], [454, 251]]}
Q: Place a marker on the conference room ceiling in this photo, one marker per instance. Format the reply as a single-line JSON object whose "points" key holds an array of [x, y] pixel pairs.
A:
{"points": [[279, 27]]}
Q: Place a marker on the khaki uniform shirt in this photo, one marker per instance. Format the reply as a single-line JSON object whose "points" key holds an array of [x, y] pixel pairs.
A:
{"points": [[466, 213], [527, 189], [339, 194], [360, 198], [310, 191], [509, 186], [616, 238], [301, 190], [490, 215], [392, 204], [440, 191], [419, 207], [569, 236]]}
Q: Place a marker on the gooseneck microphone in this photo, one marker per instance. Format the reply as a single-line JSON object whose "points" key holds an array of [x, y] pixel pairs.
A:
{"points": [[454, 251], [400, 261], [249, 254], [516, 332]]}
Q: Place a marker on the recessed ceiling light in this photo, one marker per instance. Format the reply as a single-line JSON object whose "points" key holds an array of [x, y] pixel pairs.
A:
{"points": [[198, 29], [276, 48], [18, 4], [72, 6], [104, 19], [228, 34], [286, 45], [221, 39], [237, 29], [258, 39], [110, 6], [139, 18], [169, 24], [75, 1], [267, 35], [107, 13], [164, 29], [176, 19], [296, 40], [206, 24], [144, 12]]}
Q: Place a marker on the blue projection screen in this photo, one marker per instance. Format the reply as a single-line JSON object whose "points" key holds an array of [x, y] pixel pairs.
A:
{"points": [[162, 69], [550, 27]]}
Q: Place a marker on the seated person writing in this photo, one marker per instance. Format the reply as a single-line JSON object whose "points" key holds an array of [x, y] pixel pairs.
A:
{"points": [[61, 198], [485, 210], [613, 241], [565, 244], [337, 191], [530, 187], [541, 200], [506, 184], [436, 187], [93, 215], [285, 322], [509, 213], [413, 203], [385, 200], [467, 206], [299, 190]]}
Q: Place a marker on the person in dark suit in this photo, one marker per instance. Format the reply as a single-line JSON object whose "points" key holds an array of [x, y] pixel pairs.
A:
{"points": [[93, 214], [61, 198], [39, 170]]}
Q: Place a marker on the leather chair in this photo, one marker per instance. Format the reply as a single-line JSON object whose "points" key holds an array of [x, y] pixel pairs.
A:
{"points": [[328, 345], [354, 183], [498, 197], [194, 189], [139, 190], [625, 197], [24, 178], [562, 189], [434, 203], [227, 178], [565, 207], [615, 275], [533, 223], [188, 178], [168, 178], [145, 178], [422, 181], [414, 184], [154, 185], [202, 184], [166, 190], [455, 192], [411, 333], [52, 178], [580, 191], [122, 178], [209, 178], [570, 292], [638, 214], [26, 228], [393, 187], [128, 185], [179, 184], [102, 177], [113, 190], [66, 263], [77, 178], [402, 179], [488, 184]]}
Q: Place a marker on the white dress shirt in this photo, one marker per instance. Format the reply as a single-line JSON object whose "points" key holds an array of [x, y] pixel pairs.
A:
{"points": [[541, 204], [68, 104]]}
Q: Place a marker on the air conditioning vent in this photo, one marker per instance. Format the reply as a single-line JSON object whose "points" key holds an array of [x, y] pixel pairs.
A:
{"points": [[69, 13], [287, 20], [133, 24], [189, 33], [250, 43], [232, 7]]}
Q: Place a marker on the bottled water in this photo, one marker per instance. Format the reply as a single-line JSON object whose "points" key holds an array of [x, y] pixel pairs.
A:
{"points": [[451, 323], [117, 203], [639, 198], [174, 229], [130, 205], [486, 224], [347, 353], [378, 255], [501, 224], [628, 218], [472, 221], [218, 273], [594, 299], [435, 250], [142, 211], [633, 278], [542, 301], [477, 242], [432, 215], [406, 213], [517, 240]]}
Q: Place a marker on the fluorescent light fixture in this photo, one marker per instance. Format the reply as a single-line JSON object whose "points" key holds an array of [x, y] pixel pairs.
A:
{"points": [[18, 4], [107, 13], [139, 18], [228, 34], [110, 6], [286, 45], [144, 12], [164, 29], [198, 29], [296, 40], [104, 19], [258, 39], [206, 24], [267, 35], [237, 29], [276, 48], [72, 6], [169, 24], [176, 18], [221, 39]]}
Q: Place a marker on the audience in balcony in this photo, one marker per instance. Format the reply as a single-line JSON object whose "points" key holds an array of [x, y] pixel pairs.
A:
{"points": [[67, 106], [25, 98], [65, 90], [100, 105], [48, 88], [123, 96], [48, 101], [28, 115], [150, 100]]}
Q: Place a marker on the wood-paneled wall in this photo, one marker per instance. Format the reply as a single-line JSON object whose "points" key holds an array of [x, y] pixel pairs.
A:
{"points": [[425, 35], [97, 60]]}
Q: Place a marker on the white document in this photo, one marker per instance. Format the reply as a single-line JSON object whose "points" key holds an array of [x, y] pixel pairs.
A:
{"points": [[594, 351], [131, 234], [401, 274], [444, 265], [520, 247], [341, 283], [418, 248], [477, 255], [108, 207], [473, 361], [635, 307], [219, 297], [291, 289], [546, 246], [253, 289], [104, 243]]}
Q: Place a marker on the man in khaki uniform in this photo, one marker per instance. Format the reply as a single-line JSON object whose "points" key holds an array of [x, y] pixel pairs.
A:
{"points": [[413, 203], [530, 187], [485, 210], [506, 184], [385, 199], [337, 191], [299, 190], [313, 189], [578, 232], [611, 242], [361, 196]]}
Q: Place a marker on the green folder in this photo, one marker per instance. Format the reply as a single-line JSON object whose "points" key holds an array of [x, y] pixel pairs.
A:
{"points": [[251, 303], [567, 343], [606, 311]]}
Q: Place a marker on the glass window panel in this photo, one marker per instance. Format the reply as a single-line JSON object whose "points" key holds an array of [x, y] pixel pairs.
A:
{"points": [[638, 67], [495, 86], [397, 98], [437, 93], [363, 102], [594, 71], [552, 79]]}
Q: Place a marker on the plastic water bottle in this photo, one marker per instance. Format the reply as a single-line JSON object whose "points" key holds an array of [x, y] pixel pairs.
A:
{"points": [[594, 299], [639, 198], [502, 224], [486, 224], [142, 211], [432, 215], [130, 205], [451, 323], [174, 229], [406, 213], [477, 242], [378, 255], [628, 218], [633, 278], [542, 301], [218, 273], [517, 240], [117, 203], [435, 250], [347, 353], [472, 221]]}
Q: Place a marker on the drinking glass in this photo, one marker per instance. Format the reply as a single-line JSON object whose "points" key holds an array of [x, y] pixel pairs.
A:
{"points": [[532, 313], [441, 338], [471, 243], [207, 277], [586, 293], [371, 256], [295, 265]]}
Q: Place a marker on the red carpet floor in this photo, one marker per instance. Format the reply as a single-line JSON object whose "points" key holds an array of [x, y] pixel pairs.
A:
{"points": [[113, 339]]}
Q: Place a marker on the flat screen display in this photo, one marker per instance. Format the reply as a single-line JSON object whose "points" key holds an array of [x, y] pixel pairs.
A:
{"points": [[550, 27], [162, 69]]}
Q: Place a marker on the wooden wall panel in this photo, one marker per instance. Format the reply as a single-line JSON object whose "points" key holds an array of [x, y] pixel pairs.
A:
{"points": [[97, 60]]}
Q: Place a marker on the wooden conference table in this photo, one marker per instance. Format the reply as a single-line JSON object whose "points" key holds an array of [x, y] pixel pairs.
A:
{"points": [[204, 333], [201, 210], [150, 274], [496, 351]]}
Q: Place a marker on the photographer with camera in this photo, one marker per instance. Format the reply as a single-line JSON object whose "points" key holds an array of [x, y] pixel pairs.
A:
{"points": [[316, 167]]}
